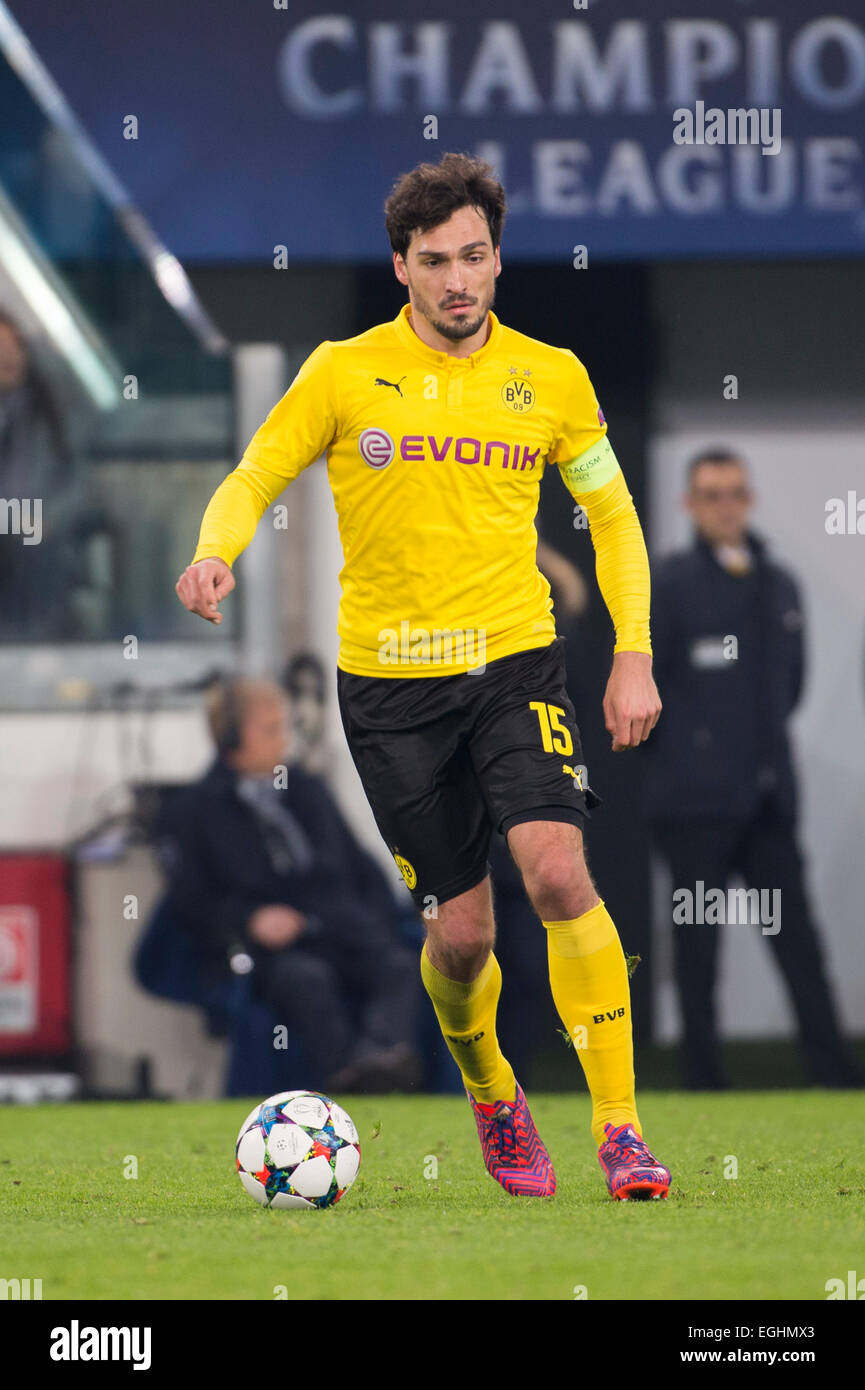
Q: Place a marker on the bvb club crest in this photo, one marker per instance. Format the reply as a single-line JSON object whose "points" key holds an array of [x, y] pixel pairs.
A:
{"points": [[518, 393], [407, 870]]}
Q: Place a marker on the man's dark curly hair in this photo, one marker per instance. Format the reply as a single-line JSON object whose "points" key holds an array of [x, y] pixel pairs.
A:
{"points": [[427, 196]]}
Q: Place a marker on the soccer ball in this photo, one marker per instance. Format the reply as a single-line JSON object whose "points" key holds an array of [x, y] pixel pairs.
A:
{"points": [[297, 1149]]}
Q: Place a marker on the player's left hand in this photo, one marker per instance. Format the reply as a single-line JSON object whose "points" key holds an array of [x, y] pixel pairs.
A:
{"points": [[632, 705]]}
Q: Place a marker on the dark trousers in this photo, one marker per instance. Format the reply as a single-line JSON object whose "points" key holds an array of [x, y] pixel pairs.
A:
{"points": [[312, 990], [762, 851]]}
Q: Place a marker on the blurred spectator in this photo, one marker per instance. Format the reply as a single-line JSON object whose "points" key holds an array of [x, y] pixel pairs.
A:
{"points": [[304, 680], [33, 446], [727, 637], [267, 875], [570, 595], [42, 585]]}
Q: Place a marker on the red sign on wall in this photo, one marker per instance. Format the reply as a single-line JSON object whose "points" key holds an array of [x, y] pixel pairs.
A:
{"points": [[19, 969], [34, 954]]}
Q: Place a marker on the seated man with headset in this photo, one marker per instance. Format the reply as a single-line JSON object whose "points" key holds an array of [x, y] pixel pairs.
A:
{"points": [[267, 875]]}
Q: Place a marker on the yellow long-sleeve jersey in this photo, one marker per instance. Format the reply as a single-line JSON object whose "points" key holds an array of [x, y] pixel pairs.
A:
{"points": [[434, 463]]}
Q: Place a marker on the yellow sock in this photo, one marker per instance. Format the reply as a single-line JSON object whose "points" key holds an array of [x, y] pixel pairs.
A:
{"points": [[589, 980], [467, 1018]]}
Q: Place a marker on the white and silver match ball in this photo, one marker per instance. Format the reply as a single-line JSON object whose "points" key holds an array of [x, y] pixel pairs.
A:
{"points": [[297, 1149]]}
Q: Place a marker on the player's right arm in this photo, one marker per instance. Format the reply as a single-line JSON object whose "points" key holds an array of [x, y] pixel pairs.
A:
{"points": [[203, 585], [298, 429]]}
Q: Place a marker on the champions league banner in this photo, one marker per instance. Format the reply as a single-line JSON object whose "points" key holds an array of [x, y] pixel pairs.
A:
{"points": [[254, 129]]}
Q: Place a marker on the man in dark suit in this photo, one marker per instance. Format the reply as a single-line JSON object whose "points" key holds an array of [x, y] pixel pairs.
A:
{"points": [[267, 875], [721, 790]]}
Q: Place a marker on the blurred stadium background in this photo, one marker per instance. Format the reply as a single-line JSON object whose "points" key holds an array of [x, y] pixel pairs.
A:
{"points": [[190, 201]]}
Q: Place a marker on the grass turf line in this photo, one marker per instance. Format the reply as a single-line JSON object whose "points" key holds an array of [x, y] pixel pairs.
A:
{"points": [[793, 1218]]}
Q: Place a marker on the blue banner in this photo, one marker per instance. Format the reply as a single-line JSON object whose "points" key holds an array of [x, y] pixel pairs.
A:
{"points": [[722, 128]]}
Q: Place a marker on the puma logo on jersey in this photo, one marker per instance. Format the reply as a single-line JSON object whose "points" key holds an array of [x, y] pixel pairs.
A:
{"points": [[380, 381]]}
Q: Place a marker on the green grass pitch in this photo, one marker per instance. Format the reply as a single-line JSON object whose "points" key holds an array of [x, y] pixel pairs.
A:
{"points": [[414, 1228]]}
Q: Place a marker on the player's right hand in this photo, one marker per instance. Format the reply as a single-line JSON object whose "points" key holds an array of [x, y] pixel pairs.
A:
{"points": [[202, 586]]}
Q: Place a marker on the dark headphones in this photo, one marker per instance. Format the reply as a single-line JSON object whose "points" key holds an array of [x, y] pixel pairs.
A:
{"points": [[231, 721]]}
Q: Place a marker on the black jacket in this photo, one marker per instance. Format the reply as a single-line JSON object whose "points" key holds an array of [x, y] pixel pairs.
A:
{"points": [[721, 742], [214, 852]]}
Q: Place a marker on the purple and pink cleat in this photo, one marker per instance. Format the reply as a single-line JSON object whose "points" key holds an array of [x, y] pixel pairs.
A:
{"points": [[513, 1150], [630, 1166]]}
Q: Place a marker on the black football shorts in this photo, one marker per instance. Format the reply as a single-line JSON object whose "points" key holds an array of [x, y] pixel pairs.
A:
{"points": [[444, 759]]}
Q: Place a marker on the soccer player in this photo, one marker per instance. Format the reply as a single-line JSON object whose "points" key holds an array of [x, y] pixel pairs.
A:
{"points": [[437, 427]]}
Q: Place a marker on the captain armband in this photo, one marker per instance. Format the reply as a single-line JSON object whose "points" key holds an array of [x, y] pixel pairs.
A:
{"points": [[592, 469]]}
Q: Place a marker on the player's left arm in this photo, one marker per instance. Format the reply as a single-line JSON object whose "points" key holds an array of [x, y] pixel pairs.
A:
{"points": [[632, 705], [594, 478]]}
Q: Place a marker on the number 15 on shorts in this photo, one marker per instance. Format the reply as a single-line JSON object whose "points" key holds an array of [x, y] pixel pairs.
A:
{"points": [[555, 734]]}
